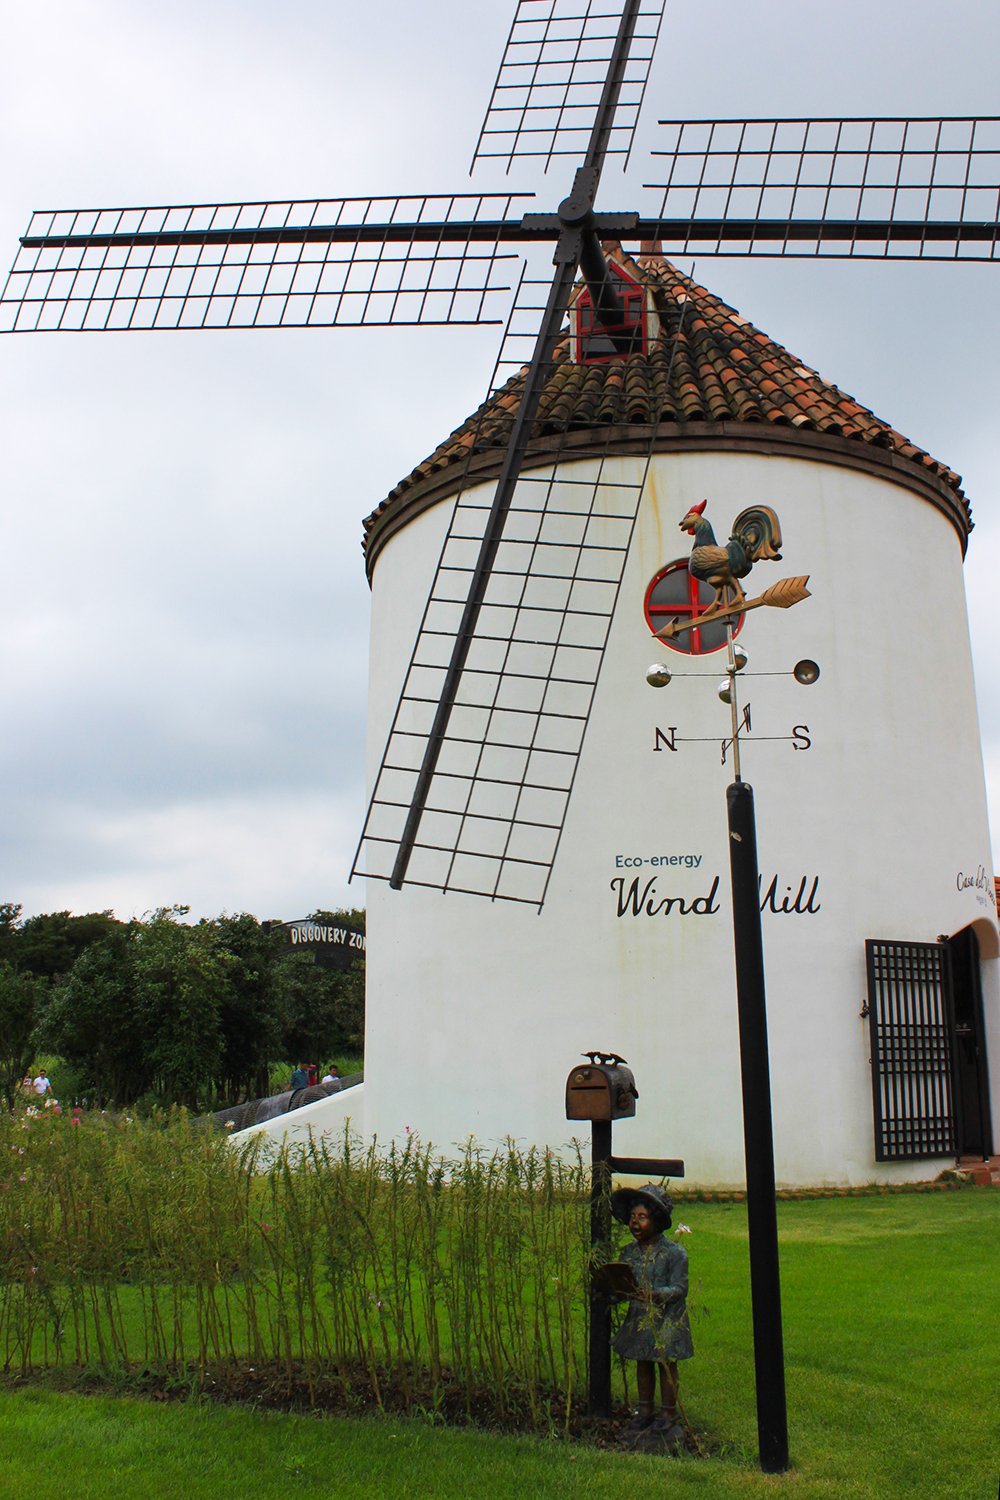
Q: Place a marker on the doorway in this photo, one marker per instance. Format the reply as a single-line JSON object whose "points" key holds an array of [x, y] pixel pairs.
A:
{"points": [[970, 1077]]}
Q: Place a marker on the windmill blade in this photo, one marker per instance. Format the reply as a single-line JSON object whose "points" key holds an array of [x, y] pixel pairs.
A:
{"points": [[347, 262], [494, 806], [405, 815], [554, 69], [901, 189]]}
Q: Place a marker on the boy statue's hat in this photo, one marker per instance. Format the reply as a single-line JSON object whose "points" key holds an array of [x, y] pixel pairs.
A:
{"points": [[656, 1199]]}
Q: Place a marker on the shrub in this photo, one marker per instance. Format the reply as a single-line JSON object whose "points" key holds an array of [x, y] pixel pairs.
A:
{"points": [[159, 1244]]}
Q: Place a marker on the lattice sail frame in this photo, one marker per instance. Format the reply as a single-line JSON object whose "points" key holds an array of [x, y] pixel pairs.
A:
{"points": [[346, 262], [499, 797], [899, 188], [549, 83]]}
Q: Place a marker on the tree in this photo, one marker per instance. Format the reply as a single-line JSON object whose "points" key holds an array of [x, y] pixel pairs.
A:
{"points": [[49, 944], [250, 1007], [182, 975], [188, 1011], [92, 1020], [10, 918], [22, 1002], [323, 1010]]}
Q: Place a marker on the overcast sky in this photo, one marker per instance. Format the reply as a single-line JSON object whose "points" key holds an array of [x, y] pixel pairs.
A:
{"points": [[184, 607]]}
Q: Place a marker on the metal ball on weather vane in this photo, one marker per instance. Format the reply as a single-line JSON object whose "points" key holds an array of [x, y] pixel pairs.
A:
{"points": [[725, 690], [658, 675], [739, 656], [805, 671]]}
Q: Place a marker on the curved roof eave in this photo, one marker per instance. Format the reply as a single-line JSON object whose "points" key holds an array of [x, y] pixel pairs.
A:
{"points": [[730, 386]]}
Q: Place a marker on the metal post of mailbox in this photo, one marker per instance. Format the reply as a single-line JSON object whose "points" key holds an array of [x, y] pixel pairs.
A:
{"points": [[599, 1396]]}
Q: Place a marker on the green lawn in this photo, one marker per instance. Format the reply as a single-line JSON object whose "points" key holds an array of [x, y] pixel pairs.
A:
{"points": [[892, 1342], [892, 1338]]}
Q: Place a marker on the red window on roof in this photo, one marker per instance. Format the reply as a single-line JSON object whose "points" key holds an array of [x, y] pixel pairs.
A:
{"points": [[595, 343], [675, 595]]}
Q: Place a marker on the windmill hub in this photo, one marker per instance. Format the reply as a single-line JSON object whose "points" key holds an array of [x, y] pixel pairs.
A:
{"points": [[576, 213]]}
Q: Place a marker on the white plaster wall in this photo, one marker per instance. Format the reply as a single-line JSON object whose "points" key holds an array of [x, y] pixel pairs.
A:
{"points": [[477, 1010]]}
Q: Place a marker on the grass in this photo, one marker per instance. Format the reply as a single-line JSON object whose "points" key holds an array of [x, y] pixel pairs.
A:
{"points": [[892, 1340], [892, 1350]]}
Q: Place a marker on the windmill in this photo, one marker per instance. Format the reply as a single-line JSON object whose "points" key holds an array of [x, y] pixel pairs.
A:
{"points": [[504, 633]]}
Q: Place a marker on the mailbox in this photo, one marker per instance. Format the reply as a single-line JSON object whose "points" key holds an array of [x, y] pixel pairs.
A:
{"points": [[601, 1089]]}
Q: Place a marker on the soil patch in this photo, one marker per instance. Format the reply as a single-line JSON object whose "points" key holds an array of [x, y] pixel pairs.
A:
{"points": [[354, 1392]]}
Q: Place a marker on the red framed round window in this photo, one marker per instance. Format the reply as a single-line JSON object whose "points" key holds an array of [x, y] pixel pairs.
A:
{"points": [[675, 595]]}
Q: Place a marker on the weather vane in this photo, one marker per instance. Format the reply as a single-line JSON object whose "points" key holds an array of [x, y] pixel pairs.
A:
{"points": [[755, 537]]}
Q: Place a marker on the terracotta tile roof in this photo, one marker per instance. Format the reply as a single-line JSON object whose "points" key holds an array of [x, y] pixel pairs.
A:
{"points": [[724, 371]]}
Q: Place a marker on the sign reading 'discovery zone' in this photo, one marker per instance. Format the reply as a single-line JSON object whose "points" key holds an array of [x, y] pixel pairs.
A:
{"points": [[334, 947]]}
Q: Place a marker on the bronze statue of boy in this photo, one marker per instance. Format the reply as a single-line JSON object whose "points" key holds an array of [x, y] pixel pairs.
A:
{"points": [[656, 1330]]}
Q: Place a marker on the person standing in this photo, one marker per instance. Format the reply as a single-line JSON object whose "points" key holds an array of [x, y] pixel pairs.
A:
{"points": [[300, 1078], [42, 1085]]}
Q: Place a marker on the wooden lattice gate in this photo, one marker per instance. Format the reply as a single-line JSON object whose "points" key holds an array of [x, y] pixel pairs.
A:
{"points": [[910, 1021]]}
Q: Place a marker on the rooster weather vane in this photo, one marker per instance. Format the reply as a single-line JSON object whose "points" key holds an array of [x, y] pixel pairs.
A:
{"points": [[482, 753], [756, 537]]}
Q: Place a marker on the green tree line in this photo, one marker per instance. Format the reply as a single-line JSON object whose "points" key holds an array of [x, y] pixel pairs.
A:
{"points": [[156, 1008]]}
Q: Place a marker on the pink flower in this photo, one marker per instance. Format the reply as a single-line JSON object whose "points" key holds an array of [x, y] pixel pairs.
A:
{"points": [[22, 1179]]}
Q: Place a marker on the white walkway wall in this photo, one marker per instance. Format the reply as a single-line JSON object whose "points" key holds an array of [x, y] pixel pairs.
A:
{"points": [[323, 1119]]}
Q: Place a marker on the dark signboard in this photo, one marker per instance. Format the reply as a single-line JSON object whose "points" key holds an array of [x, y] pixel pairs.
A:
{"points": [[333, 947]]}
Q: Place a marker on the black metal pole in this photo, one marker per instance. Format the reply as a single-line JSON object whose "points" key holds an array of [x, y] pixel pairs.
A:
{"points": [[765, 1276], [609, 308], [599, 1393]]}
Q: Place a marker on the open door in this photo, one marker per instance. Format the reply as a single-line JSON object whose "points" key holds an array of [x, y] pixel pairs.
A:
{"points": [[970, 1078]]}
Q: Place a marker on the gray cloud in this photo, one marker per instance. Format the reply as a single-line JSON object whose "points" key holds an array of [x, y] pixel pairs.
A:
{"points": [[183, 603]]}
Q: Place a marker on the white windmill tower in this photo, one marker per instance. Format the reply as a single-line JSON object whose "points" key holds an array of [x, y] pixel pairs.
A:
{"points": [[876, 825]]}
